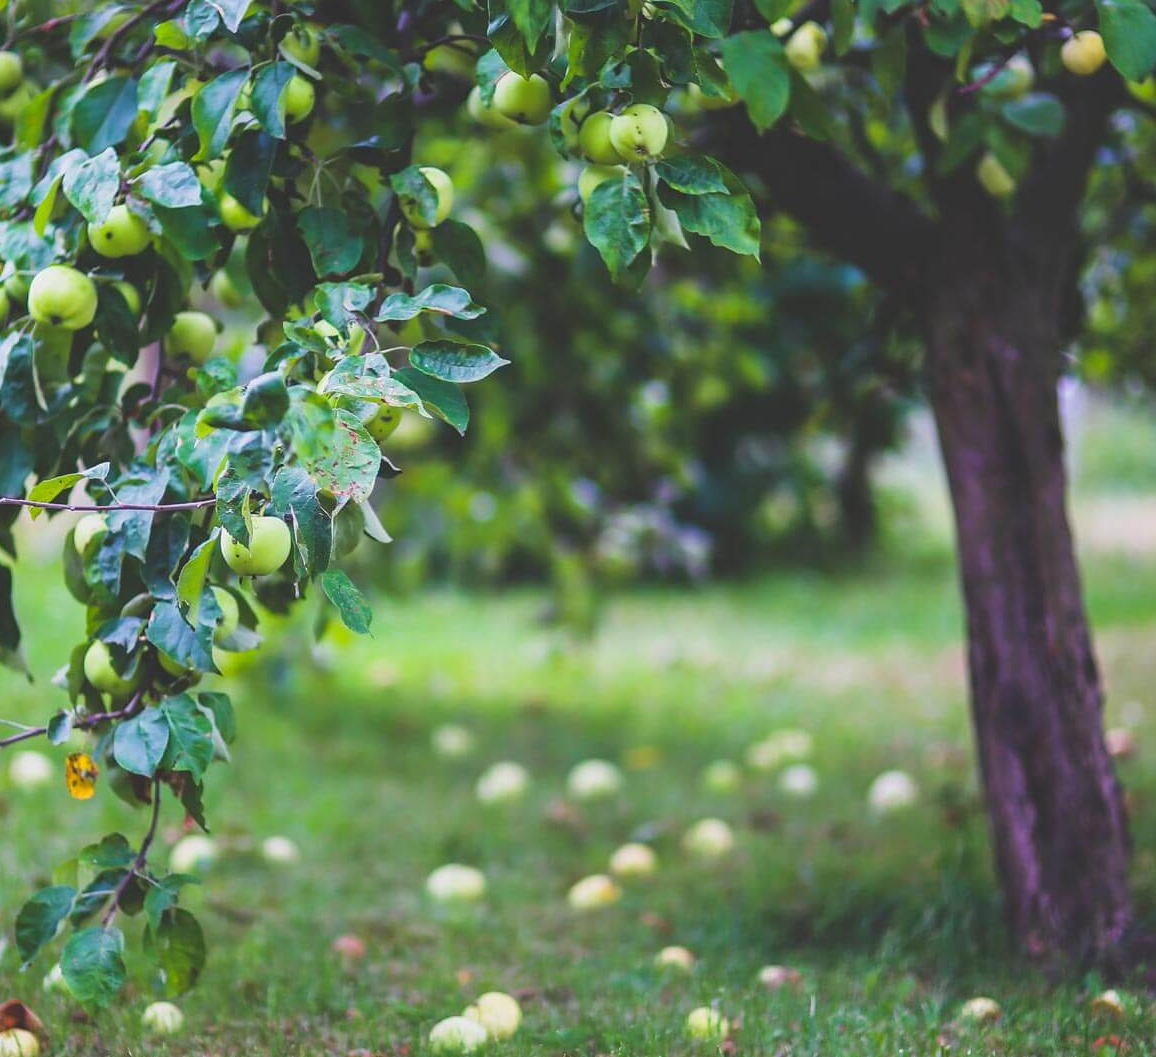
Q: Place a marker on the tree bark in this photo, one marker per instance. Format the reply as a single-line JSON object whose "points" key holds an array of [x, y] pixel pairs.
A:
{"points": [[1057, 818]]}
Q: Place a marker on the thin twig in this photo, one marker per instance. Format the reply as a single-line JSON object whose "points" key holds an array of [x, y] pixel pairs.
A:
{"points": [[141, 857], [100, 60], [157, 508], [81, 724]]}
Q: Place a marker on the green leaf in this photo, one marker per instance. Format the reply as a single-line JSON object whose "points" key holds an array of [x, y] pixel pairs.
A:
{"points": [[232, 12], [712, 18], [444, 399], [438, 298], [692, 174], [178, 947], [1129, 29], [193, 576], [1037, 114], [617, 221], [356, 613], [174, 185], [213, 109], [154, 86], [416, 193], [334, 241], [348, 468], [93, 965], [268, 96], [729, 220], [760, 74], [1027, 12], [532, 17], [295, 492], [889, 60], [110, 851], [460, 249], [47, 491], [92, 186], [140, 742], [843, 25], [454, 362], [163, 894], [248, 170], [103, 116], [190, 745], [40, 919]]}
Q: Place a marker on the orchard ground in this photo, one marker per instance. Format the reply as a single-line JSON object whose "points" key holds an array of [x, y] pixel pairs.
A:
{"points": [[892, 922]]}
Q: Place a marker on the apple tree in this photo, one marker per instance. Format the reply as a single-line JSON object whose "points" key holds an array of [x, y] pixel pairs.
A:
{"points": [[169, 157]]}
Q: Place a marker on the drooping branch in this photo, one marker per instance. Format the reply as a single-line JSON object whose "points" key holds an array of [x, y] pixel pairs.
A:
{"points": [[141, 859], [86, 723], [156, 508]]}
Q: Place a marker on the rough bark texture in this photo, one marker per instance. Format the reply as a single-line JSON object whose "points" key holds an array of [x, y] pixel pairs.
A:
{"points": [[1056, 813]]}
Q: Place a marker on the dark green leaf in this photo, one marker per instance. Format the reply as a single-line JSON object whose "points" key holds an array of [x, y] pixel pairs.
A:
{"points": [[334, 240], [444, 399], [190, 737], [213, 109], [758, 70], [692, 174], [1129, 29], [40, 918], [92, 186], [617, 221], [454, 362], [103, 116], [268, 96], [93, 965], [356, 612], [178, 947], [174, 185], [438, 298], [140, 742]]}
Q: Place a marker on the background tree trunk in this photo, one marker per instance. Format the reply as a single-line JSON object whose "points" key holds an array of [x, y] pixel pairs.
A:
{"points": [[1057, 819]]}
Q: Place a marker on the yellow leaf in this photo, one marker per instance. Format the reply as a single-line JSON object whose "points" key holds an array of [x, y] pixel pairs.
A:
{"points": [[80, 773]]}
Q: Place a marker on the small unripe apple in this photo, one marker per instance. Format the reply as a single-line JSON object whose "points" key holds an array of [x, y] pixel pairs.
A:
{"points": [[123, 234], [98, 670], [778, 977], [981, 1010], [444, 188], [486, 116], [594, 139], [11, 71], [222, 287], [30, 769], [211, 173], [709, 839], [16, 287], [503, 782], [86, 530], [13, 104], [172, 666], [721, 776], [302, 43], [594, 176], [383, 423], [423, 248], [570, 117], [522, 99], [707, 1023], [62, 297], [593, 892], [1083, 53], [19, 1043], [993, 177], [457, 1035], [633, 860], [162, 1018], [3, 305], [594, 779], [1013, 81], [712, 102], [497, 1012], [779, 747], [799, 780], [192, 334], [674, 958], [280, 850], [455, 883], [230, 613], [269, 544], [299, 98], [131, 296], [1107, 1004], [193, 854], [639, 133], [235, 216], [452, 741], [892, 791], [806, 46]]}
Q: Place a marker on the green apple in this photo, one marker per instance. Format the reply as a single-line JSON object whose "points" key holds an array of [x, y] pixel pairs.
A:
{"points": [[123, 234], [455, 883], [62, 297], [211, 174], [423, 248], [12, 105], [269, 544], [806, 46], [707, 1023], [171, 665], [86, 530], [639, 133], [16, 1042], [497, 1012], [4, 306], [222, 287], [444, 188], [98, 670], [523, 99], [383, 423], [594, 175], [457, 1035], [593, 780], [570, 117], [593, 892], [712, 102], [709, 839], [1012, 81], [230, 613], [994, 178], [674, 958], [487, 116], [302, 43], [633, 860], [16, 287], [594, 139], [192, 334], [299, 98], [980, 1010], [11, 71], [162, 1018], [1083, 53], [131, 296], [193, 854], [235, 216]]}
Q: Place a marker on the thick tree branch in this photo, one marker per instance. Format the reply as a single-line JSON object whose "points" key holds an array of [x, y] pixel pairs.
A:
{"points": [[846, 211]]}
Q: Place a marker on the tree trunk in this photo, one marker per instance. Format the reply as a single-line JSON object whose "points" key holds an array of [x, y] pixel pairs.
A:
{"points": [[1056, 812]]}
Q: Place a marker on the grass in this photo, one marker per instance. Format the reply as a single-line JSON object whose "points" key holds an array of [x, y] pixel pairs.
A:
{"points": [[893, 922]]}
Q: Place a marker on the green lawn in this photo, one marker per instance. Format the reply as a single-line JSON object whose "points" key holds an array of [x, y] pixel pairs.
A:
{"points": [[893, 922]]}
